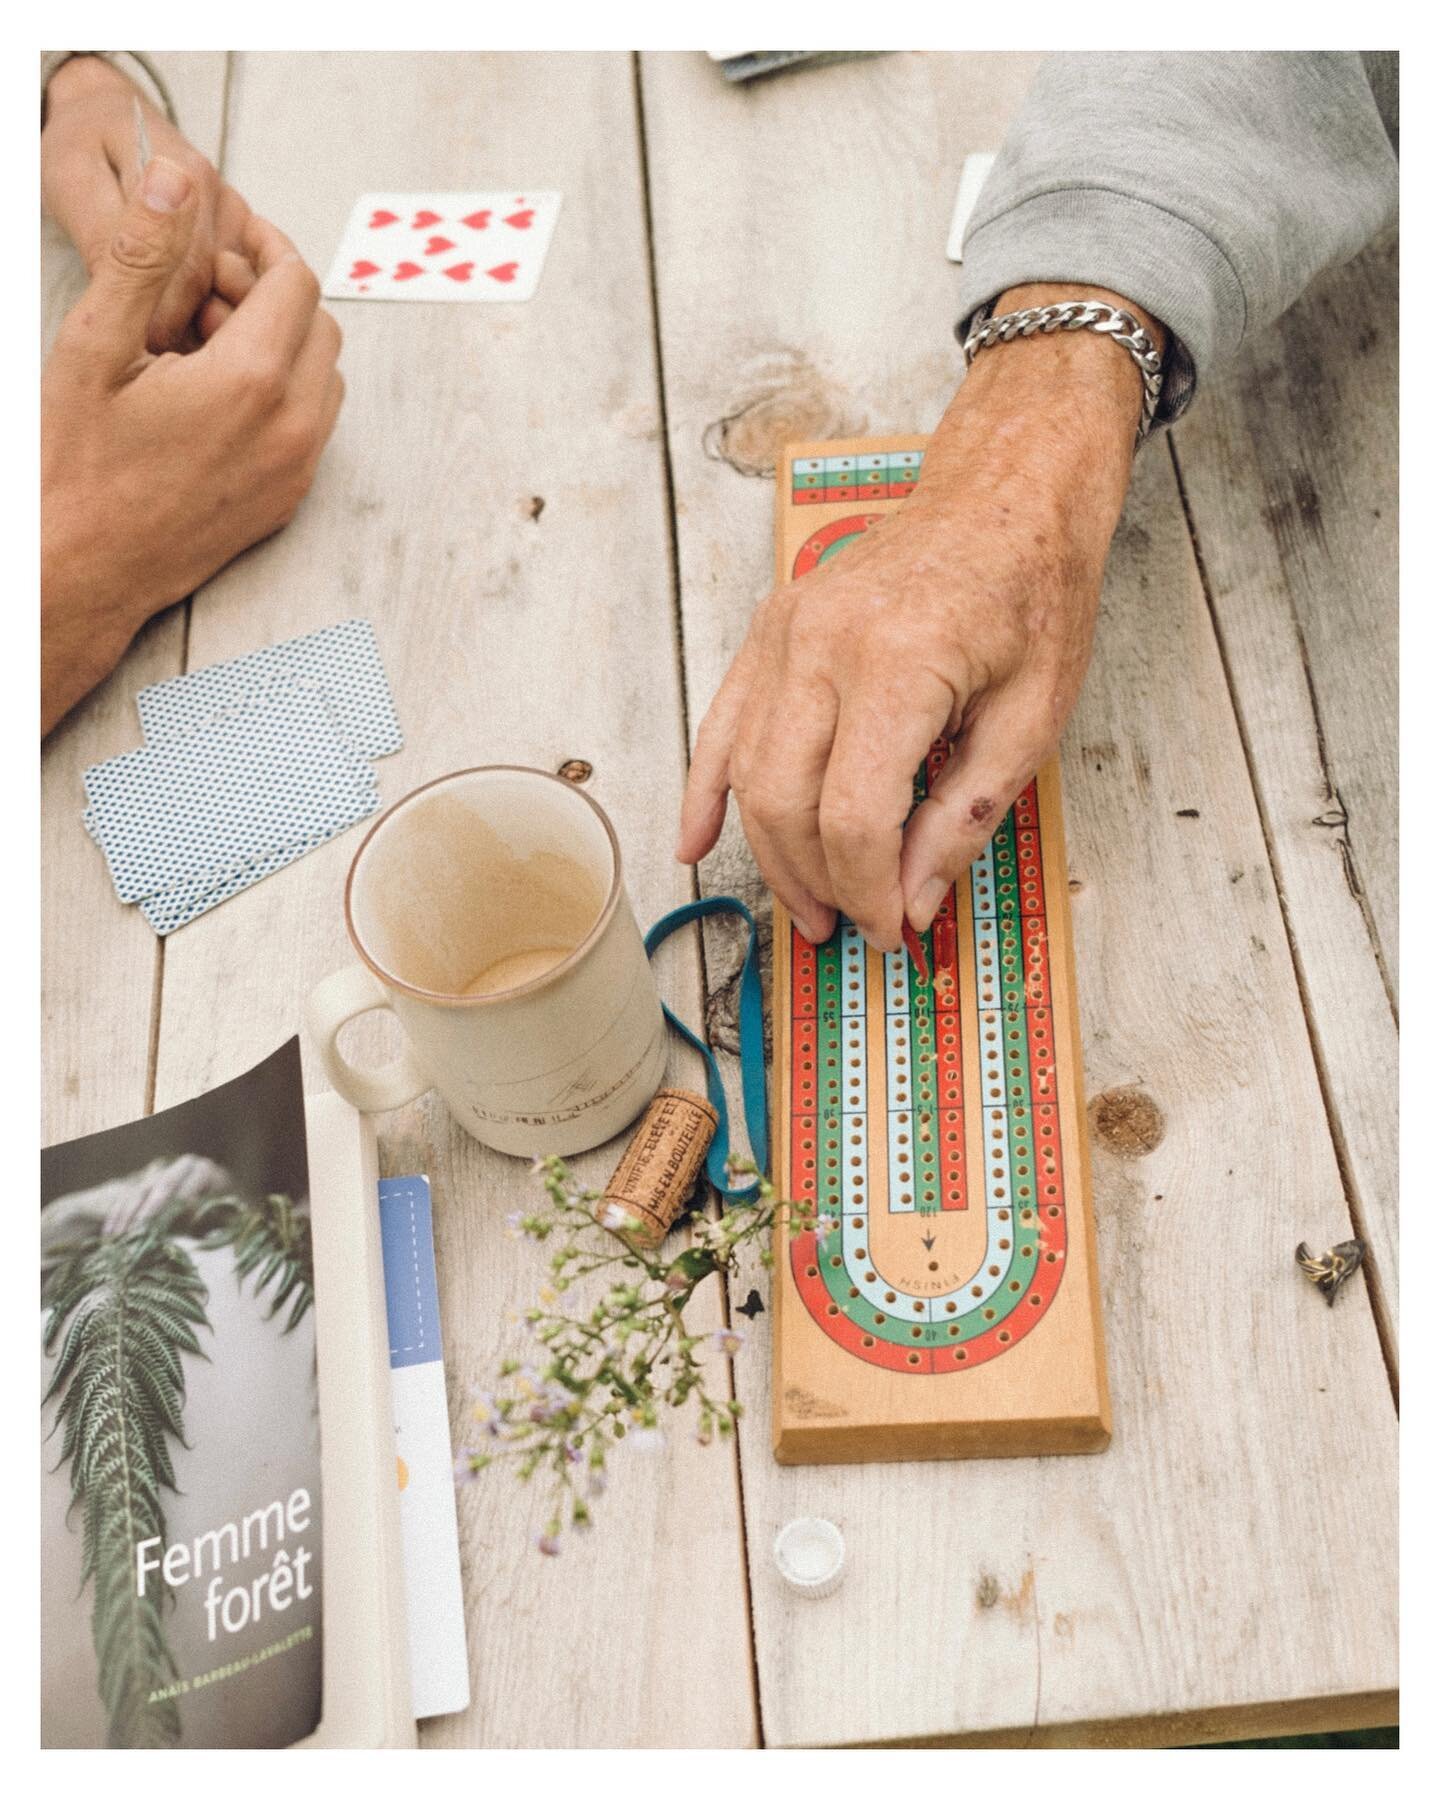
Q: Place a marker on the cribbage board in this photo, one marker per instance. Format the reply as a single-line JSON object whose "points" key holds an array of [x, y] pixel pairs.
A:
{"points": [[947, 1301]]}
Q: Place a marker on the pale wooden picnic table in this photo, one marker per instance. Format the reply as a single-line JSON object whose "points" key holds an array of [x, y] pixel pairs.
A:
{"points": [[734, 268]]}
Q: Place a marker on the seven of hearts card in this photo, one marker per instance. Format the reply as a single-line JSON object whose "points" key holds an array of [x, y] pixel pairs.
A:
{"points": [[453, 247]]}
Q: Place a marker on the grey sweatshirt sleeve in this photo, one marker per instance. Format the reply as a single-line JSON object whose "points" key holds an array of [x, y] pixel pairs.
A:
{"points": [[1208, 187]]}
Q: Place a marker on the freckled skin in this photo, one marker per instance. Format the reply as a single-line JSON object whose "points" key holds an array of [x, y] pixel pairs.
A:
{"points": [[967, 613]]}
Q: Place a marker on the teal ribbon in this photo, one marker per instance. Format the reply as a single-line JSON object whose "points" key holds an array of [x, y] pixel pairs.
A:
{"points": [[752, 1047]]}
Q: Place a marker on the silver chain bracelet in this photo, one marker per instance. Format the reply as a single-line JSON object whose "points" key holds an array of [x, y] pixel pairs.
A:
{"points": [[1080, 315]]}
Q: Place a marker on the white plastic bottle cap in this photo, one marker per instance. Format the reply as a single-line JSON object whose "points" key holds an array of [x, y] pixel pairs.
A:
{"points": [[810, 1555]]}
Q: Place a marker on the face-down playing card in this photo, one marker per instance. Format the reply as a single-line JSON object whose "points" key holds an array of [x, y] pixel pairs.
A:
{"points": [[247, 785], [340, 661], [177, 906], [451, 247]]}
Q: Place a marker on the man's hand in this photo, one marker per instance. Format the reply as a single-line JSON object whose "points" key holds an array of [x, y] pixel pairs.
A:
{"points": [[157, 470], [88, 170], [968, 614]]}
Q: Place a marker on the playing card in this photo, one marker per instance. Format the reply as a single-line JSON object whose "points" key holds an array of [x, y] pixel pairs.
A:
{"points": [[167, 912], [254, 781], [342, 662], [972, 178], [457, 247]]}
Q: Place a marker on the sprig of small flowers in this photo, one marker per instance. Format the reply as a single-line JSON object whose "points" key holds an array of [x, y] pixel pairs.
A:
{"points": [[610, 1370]]}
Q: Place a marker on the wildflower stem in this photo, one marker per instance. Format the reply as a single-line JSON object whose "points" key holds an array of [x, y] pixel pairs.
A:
{"points": [[607, 1375]]}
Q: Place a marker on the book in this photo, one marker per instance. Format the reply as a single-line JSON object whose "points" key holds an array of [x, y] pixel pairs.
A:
{"points": [[425, 1466], [221, 1556]]}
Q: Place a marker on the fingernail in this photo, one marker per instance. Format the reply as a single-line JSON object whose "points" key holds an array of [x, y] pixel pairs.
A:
{"points": [[923, 908], [166, 186]]}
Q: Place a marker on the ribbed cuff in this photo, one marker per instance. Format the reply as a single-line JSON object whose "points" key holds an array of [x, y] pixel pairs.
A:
{"points": [[1097, 237]]}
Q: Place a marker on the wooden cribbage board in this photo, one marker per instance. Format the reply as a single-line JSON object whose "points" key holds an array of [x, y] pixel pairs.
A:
{"points": [[947, 1301]]}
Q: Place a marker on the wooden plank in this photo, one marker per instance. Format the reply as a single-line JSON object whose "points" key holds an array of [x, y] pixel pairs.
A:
{"points": [[1206, 1564], [100, 962], [1230, 1725], [863, 1373], [1289, 465], [511, 632]]}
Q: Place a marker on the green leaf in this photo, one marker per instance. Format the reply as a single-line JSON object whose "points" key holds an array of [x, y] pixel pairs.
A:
{"points": [[694, 1264], [126, 1307], [271, 1236]]}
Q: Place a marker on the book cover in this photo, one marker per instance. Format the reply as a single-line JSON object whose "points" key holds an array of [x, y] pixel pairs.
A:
{"points": [[181, 1498]]}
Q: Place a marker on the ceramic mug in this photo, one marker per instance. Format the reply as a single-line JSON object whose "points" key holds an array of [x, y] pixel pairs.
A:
{"points": [[490, 917]]}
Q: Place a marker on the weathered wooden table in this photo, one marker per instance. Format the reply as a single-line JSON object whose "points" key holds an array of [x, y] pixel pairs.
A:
{"points": [[734, 268]]}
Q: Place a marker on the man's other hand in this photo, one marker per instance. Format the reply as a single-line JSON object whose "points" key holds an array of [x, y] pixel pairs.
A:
{"points": [[89, 167], [967, 614], [157, 470]]}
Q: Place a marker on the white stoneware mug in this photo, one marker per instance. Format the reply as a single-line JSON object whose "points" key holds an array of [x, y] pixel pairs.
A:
{"points": [[489, 915]]}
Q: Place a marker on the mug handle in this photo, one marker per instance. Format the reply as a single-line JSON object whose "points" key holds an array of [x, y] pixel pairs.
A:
{"points": [[332, 1004]]}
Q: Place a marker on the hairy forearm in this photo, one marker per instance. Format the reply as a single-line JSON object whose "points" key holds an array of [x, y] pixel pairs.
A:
{"points": [[85, 626], [101, 579], [1051, 419]]}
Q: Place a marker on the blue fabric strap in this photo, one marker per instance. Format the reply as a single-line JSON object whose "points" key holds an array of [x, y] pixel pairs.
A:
{"points": [[752, 1047]]}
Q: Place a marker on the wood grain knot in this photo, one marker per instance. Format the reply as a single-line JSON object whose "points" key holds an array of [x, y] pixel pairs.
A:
{"points": [[1016, 1601], [793, 405], [1127, 1121], [575, 770]]}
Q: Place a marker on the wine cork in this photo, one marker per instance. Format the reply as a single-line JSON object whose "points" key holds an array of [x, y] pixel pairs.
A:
{"points": [[656, 1175]]}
